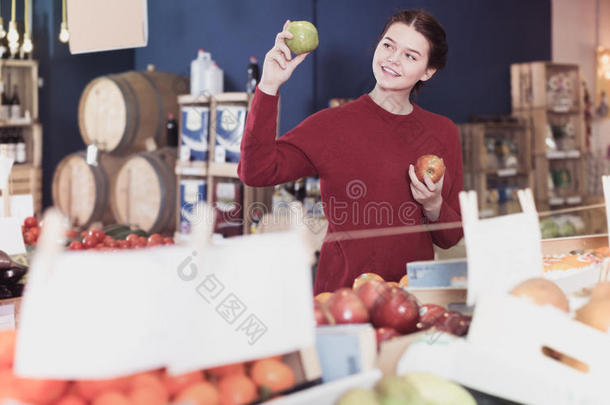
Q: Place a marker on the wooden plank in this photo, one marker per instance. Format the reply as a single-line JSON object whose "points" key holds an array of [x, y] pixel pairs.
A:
{"points": [[566, 245]]}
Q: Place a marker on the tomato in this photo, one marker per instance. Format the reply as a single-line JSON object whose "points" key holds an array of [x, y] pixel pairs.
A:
{"points": [[28, 238], [71, 234], [132, 236], [108, 240], [98, 234], [75, 245], [168, 241], [155, 237], [84, 234], [89, 242], [35, 231], [30, 222], [124, 244]]}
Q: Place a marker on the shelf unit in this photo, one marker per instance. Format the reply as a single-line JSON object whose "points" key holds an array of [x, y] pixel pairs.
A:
{"points": [[217, 172], [549, 96], [25, 178], [496, 163]]}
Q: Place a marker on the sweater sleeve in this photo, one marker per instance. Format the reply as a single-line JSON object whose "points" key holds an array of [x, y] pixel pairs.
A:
{"points": [[452, 185], [264, 160]]}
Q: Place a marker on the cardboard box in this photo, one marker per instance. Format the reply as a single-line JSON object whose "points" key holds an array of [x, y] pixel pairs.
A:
{"points": [[230, 124], [195, 131], [345, 350], [192, 191]]}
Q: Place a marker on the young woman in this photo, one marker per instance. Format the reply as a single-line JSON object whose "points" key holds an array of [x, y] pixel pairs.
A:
{"points": [[364, 153]]}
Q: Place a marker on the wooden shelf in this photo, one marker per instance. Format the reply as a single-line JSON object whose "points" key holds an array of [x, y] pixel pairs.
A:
{"points": [[191, 168], [26, 63], [223, 170], [563, 154], [236, 97], [571, 200], [9, 124]]}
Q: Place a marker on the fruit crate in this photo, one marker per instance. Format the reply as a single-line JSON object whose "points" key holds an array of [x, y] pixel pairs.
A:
{"points": [[553, 86], [496, 147]]}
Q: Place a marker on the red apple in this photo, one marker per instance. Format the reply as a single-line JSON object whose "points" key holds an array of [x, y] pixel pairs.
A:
{"points": [[431, 165], [454, 323], [429, 315], [364, 278], [346, 307], [323, 317], [383, 334], [370, 291], [396, 309]]}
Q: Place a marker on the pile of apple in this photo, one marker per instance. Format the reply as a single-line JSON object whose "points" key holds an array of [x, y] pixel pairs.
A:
{"points": [[391, 309]]}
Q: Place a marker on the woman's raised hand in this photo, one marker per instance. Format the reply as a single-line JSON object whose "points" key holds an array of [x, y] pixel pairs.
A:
{"points": [[279, 63]]}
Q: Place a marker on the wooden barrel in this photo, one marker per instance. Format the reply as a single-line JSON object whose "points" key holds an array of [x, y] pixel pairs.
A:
{"points": [[123, 113], [144, 192], [82, 191]]}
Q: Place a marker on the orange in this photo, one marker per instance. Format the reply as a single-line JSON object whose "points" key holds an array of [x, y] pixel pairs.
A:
{"points": [[404, 281], [227, 370], [39, 391], [7, 347], [237, 389], [7, 385], [71, 399], [90, 389], [111, 398], [147, 388], [364, 277], [272, 374], [148, 395], [323, 297], [203, 393], [177, 383]]}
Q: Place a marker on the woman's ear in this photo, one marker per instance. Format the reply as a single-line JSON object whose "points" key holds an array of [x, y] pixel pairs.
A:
{"points": [[429, 73]]}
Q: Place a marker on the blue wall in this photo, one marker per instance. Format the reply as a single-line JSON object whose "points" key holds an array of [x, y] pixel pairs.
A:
{"points": [[485, 37]]}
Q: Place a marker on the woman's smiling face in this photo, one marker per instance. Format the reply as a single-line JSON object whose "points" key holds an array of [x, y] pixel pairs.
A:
{"points": [[401, 58]]}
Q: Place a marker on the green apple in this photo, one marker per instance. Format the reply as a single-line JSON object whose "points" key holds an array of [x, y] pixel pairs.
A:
{"points": [[305, 37]]}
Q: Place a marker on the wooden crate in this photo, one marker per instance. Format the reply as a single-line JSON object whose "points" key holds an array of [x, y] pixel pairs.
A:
{"points": [[567, 177], [26, 179], [478, 140], [213, 172], [564, 130], [553, 86]]}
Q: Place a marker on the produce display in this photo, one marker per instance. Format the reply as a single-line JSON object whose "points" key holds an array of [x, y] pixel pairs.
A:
{"points": [[388, 307], [580, 260], [239, 383], [111, 237]]}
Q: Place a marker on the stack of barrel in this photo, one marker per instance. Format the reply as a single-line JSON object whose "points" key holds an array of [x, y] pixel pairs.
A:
{"points": [[133, 182]]}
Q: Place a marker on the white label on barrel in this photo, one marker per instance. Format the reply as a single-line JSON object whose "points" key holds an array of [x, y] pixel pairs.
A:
{"points": [[92, 155]]}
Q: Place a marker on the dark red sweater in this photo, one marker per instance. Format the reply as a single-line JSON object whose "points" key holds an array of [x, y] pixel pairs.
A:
{"points": [[362, 154]]}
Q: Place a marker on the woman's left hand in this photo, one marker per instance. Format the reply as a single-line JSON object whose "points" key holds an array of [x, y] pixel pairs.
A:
{"points": [[428, 194]]}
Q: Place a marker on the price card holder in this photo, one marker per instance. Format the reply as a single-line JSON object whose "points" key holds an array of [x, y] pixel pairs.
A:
{"points": [[501, 251]]}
